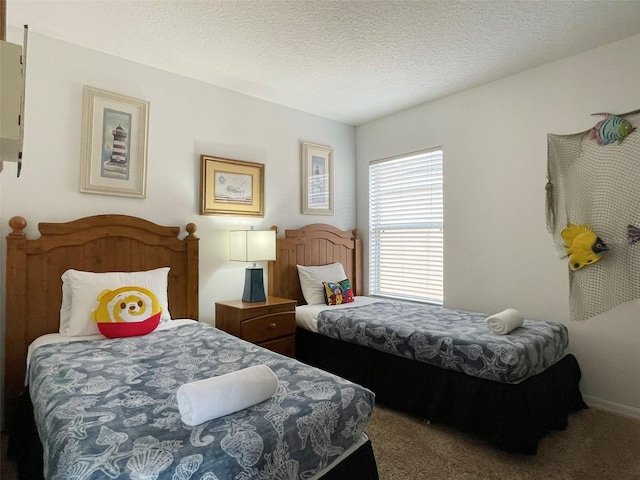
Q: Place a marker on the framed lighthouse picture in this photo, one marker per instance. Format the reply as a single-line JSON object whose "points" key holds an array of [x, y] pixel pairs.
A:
{"points": [[114, 144]]}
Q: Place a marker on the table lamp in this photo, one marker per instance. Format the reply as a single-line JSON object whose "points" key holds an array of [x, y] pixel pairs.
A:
{"points": [[252, 246]]}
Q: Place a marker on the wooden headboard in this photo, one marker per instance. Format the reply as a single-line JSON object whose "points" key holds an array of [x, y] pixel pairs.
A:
{"points": [[315, 244], [101, 243]]}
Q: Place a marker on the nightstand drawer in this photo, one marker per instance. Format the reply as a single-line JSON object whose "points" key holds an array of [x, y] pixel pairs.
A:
{"points": [[267, 327], [285, 346], [271, 324]]}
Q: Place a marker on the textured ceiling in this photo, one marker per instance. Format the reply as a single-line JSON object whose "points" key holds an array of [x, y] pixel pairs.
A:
{"points": [[348, 60]]}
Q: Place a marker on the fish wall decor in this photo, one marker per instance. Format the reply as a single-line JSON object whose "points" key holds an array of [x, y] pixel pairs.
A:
{"points": [[612, 128], [583, 245], [633, 234]]}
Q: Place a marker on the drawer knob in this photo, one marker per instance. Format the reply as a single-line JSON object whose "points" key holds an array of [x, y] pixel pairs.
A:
{"points": [[272, 326]]}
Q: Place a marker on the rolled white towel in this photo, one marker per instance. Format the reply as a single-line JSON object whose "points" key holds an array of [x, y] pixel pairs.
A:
{"points": [[215, 397], [505, 321]]}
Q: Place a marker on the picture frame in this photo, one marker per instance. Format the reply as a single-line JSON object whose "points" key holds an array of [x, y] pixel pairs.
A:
{"points": [[317, 179], [114, 144], [231, 187]]}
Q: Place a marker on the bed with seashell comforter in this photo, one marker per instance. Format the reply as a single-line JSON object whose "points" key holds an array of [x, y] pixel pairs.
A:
{"points": [[507, 401], [98, 407]]}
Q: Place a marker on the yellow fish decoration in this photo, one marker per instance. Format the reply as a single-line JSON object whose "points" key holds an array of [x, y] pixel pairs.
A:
{"points": [[584, 246]]}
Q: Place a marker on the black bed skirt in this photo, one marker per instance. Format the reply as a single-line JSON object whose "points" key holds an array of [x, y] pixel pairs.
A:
{"points": [[512, 417], [24, 443], [25, 448]]}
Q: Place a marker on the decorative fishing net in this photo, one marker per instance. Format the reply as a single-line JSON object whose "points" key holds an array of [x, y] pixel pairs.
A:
{"points": [[599, 186]]}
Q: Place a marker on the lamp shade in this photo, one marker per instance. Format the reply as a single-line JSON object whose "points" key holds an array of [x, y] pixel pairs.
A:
{"points": [[252, 245]]}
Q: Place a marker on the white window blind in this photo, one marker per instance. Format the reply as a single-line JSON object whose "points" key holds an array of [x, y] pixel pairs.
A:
{"points": [[406, 227]]}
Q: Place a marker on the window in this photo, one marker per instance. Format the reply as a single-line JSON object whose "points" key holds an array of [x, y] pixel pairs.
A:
{"points": [[406, 227]]}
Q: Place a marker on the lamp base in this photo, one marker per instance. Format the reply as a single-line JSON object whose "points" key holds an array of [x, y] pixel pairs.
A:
{"points": [[253, 285]]}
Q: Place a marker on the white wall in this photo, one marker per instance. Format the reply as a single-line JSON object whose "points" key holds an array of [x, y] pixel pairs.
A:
{"points": [[498, 253], [187, 118]]}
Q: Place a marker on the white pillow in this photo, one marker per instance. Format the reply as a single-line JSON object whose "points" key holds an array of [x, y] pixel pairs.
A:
{"points": [[80, 292], [311, 279]]}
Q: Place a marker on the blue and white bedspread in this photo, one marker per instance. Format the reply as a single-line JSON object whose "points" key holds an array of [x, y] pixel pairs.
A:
{"points": [[107, 409], [451, 339]]}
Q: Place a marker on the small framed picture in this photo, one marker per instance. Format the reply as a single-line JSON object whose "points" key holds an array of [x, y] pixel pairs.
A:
{"points": [[317, 179], [231, 187], [114, 144]]}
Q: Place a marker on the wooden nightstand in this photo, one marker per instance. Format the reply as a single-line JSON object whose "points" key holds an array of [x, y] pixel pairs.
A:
{"points": [[270, 324]]}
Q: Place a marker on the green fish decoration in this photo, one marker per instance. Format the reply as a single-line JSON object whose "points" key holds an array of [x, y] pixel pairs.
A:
{"points": [[612, 129]]}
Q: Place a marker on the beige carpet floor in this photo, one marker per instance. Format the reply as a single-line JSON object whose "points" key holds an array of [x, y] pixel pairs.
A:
{"points": [[597, 445]]}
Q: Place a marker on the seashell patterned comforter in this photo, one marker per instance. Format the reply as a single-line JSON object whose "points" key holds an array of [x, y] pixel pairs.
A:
{"points": [[107, 409], [451, 339]]}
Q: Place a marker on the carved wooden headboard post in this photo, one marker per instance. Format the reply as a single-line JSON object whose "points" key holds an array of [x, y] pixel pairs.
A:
{"points": [[315, 244], [15, 344], [357, 263], [193, 264]]}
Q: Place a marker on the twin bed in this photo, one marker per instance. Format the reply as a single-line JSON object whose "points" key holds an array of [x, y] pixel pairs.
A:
{"points": [[107, 407], [508, 389]]}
